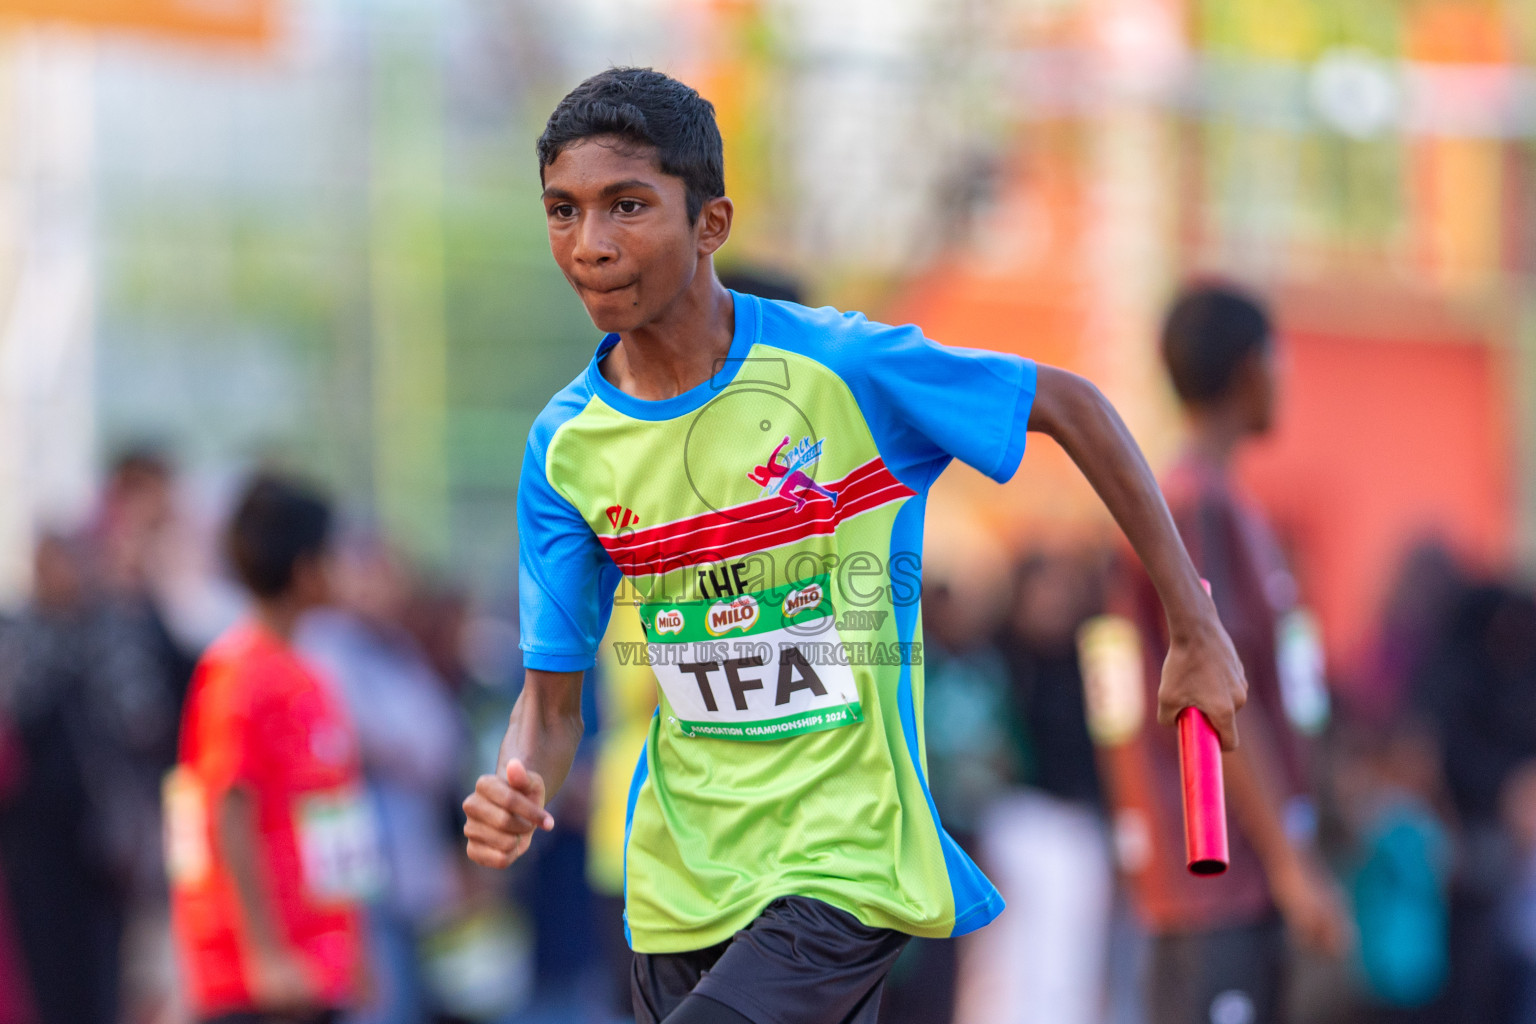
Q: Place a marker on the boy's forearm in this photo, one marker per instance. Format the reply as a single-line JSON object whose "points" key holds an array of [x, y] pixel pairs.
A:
{"points": [[545, 727], [1256, 804], [1298, 884], [235, 815], [1202, 669]]}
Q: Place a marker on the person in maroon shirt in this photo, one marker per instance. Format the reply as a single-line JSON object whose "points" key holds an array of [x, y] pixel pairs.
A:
{"points": [[1218, 946]]}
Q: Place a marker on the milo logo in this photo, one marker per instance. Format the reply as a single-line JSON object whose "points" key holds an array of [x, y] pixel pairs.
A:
{"points": [[669, 621], [738, 614], [797, 601]]}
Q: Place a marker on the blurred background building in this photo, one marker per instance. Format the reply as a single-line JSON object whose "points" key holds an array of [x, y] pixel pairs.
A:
{"points": [[306, 232]]}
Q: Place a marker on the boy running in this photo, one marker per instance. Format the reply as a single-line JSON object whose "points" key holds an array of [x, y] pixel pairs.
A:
{"points": [[782, 843], [270, 847]]}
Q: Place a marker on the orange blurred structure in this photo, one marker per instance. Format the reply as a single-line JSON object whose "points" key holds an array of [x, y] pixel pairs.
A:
{"points": [[234, 21], [1395, 425], [1400, 340], [1388, 434]]}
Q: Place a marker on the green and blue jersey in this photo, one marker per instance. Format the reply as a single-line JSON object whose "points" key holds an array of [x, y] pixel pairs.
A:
{"points": [[766, 526]]}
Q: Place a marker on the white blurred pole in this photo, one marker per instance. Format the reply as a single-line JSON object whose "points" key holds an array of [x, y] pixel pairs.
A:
{"points": [[47, 293]]}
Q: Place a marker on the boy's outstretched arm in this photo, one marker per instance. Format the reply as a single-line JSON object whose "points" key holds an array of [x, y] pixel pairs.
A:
{"points": [[536, 754], [1202, 669]]}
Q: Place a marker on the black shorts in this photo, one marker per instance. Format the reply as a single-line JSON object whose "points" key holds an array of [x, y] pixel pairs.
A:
{"points": [[801, 961]]}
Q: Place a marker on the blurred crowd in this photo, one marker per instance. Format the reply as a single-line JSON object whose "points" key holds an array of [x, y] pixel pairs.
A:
{"points": [[94, 680], [1424, 780], [1414, 797]]}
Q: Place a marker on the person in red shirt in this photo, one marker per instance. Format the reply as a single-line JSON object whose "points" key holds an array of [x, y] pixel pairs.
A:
{"points": [[269, 842], [1218, 943]]}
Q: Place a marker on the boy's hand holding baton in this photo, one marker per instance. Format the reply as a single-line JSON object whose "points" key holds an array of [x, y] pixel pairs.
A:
{"points": [[1205, 799]]}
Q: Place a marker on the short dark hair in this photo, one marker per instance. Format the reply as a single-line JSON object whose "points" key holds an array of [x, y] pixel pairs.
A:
{"points": [[647, 108], [1210, 330], [276, 522], [139, 461]]}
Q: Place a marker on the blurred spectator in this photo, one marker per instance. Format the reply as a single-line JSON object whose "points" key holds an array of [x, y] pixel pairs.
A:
{"points": [[1044, 843], [61, 886], [412, 736], [1480, 687], [16, 1003], [92, 690], [437, 616], [626, 696], [1519, 924], [130, 533], [1485, 684], [1218, 949], [1387, 785], [1414, 622], [971, 736], [136, 651], [479, 959], [65, 896], [271, 845], [1055, 592], [972, 759], [1389, 795]]}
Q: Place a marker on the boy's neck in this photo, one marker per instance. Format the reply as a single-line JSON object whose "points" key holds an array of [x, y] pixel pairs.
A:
{"points": [[680, 349], [278, 616], [1214, 437]]}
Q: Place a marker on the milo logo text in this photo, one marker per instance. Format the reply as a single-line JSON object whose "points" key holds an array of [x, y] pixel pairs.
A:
{"points": [[738, 614], [669, 621], [797, 601]]}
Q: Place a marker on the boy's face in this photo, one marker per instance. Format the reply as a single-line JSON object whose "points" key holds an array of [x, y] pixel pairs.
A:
{"points": [[1261, 390], [618, 228]]}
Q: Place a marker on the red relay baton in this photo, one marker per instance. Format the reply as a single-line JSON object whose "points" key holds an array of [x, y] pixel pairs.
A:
{"points": [[1205, 802]]}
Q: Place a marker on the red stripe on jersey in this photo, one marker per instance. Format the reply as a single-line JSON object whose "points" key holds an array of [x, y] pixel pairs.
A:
{"points": [[753, 526], [771, 507]]}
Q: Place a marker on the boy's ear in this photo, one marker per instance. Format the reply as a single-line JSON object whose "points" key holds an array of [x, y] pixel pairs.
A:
{"points": [[714, 224]]}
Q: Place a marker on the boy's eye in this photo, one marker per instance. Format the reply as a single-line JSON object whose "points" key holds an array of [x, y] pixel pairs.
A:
{"points": [[629, 205], [562, 210]]}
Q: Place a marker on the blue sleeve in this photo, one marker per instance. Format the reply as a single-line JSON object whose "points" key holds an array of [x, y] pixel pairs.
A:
{"points": [[565, 579], [927, 403]]}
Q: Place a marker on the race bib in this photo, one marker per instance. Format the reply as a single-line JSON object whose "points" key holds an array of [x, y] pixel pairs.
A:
{"points": [[757, 666], [339, 845], [1303, 689], [1110, 653], [186, 828]]}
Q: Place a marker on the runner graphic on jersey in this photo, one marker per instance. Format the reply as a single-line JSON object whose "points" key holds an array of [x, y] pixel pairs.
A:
{"points": [[785, 480]]}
